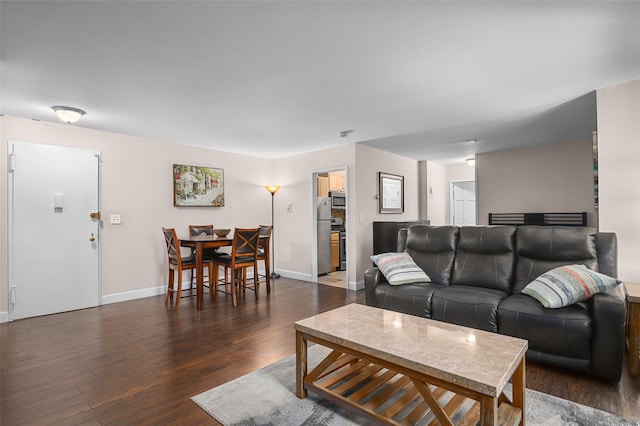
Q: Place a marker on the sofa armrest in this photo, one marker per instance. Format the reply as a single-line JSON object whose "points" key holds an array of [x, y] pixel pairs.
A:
{"points": [[372, 278], [607, 346]]}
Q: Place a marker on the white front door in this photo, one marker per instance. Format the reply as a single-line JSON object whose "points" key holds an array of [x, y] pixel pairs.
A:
{"points": [[54, 243], [463, 203]]}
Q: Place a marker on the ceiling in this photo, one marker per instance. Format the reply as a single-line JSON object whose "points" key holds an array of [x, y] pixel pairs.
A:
{"points": [[273, 79]]}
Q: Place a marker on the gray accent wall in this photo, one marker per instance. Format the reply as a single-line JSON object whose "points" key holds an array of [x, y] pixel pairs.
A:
{"points": [[549, 178]]}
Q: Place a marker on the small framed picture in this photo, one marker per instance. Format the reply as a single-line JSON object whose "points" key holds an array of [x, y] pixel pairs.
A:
{"points": [[391, 193], [195, 186]]}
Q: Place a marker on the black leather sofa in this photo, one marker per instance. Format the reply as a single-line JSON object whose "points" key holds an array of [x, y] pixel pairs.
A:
{"points": [[478, 273]]}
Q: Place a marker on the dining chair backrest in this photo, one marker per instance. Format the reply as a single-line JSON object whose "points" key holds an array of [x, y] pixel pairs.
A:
{"points": [[195, 230], [173, 246], [245, 242], [265, 233]]}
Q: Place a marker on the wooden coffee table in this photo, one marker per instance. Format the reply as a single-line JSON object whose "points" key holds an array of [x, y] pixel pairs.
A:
{"points": [[632, 291], [401, 369]]}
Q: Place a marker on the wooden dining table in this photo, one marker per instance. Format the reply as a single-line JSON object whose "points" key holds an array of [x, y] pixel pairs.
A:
{"points": [[199, 243]]}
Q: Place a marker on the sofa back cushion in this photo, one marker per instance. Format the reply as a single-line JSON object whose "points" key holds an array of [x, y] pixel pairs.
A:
{"points": [[485, 257], [433, 248], [542, 248]]}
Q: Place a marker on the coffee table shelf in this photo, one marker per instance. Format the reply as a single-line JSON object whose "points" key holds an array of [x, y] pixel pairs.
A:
{"points": [[387, 396]]}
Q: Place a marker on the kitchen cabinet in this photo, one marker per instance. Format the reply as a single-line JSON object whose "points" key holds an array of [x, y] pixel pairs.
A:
{"points": [[323, 186], [336, 182], [335, 251]]}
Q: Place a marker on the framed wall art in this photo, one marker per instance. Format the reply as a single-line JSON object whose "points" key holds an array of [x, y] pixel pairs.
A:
{"points": [[390, 193], [197, 186]]}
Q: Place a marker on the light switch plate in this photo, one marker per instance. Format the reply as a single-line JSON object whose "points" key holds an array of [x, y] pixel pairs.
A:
{"points": [[289, 207]]}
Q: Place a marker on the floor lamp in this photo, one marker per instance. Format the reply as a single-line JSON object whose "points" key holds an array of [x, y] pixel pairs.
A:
{"points": [[273, 189]]}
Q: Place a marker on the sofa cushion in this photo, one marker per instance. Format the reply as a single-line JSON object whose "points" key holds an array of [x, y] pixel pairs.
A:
{"points": [[485, 257], [399, 268], [433, 248], [569, 284], [563, 332], [412, 299], [542, 248], [468, 306]]}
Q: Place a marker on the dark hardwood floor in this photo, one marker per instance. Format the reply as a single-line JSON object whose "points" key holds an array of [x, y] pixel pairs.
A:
{"points": [[140, 362]]}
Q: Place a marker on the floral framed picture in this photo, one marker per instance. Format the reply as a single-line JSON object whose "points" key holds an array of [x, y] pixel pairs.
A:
{"points": [[197, 186], [390, 193]]}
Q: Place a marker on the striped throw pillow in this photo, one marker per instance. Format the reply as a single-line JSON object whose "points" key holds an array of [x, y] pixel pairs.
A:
{"points": [[569, 284], [399, 268]]}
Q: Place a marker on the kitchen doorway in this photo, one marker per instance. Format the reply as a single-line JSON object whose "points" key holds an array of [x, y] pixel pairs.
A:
{"points": [[330, 228]]}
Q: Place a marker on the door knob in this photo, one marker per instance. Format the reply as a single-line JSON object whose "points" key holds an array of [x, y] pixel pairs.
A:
{"points": [[92, 238]]}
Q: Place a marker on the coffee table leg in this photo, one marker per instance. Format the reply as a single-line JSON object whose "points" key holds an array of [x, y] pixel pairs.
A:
{"points": [[301, 365], [518, 386], [489, 407]]}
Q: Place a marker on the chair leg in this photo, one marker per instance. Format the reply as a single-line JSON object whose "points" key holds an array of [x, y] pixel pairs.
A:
{"points": [[169, 287], [179, 290], [213, 283], [267, 272], [234, 281]]}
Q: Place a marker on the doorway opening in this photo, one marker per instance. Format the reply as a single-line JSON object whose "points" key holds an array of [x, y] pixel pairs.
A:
{"points": [[329, 254], [462, 209]]}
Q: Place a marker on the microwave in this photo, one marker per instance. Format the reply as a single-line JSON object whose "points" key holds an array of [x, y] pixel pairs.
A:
{"points": [[338, 200]]}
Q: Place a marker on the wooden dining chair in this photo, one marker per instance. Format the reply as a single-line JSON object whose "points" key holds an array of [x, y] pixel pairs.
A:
{"points": [[244, 255], [177, 263], [264, 254]]}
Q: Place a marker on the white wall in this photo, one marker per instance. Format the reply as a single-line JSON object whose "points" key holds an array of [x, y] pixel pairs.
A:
{"points": [[437, 193], [370, 161], [294, 231], [136, 179], [551, 178], [619, 172]]}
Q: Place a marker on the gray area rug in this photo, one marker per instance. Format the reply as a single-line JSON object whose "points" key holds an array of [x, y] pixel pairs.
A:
{"points": [[267, 397]]}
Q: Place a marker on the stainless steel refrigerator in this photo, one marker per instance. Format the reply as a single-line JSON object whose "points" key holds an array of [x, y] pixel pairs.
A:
{"points": [[324, 235]]}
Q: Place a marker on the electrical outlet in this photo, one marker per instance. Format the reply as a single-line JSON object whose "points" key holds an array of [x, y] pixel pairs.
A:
{"points": [[115, 219]]}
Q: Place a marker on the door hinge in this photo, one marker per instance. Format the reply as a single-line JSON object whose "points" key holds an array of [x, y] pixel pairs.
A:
{"points": [[12, 162]]}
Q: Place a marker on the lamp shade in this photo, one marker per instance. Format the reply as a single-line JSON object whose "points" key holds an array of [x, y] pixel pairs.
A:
{"points": [[272, 188], [68, 114]]}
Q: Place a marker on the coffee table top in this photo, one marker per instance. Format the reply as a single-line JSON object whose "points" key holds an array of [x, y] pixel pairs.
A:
{"points": [[633, 292], [474, 359]]}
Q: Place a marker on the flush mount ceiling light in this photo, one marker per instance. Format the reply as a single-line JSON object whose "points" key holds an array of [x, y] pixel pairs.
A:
{"points": [[68, 114], [471, 162], [345, 133]]}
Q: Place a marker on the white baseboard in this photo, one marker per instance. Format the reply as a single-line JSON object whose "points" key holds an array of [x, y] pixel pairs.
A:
{"points": [[294, 275], [4, 317], [132, 295], [356, 285]]}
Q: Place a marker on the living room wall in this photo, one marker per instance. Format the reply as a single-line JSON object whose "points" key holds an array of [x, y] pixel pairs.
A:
{"points": [[294, 230], [619, 172], [546, 178], [136, 179]]}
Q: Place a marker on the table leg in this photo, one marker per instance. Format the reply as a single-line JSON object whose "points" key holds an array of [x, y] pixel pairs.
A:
{"points": [[634, 339], [200, 279], [301, 364], [518, 386], [489, 410]]}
